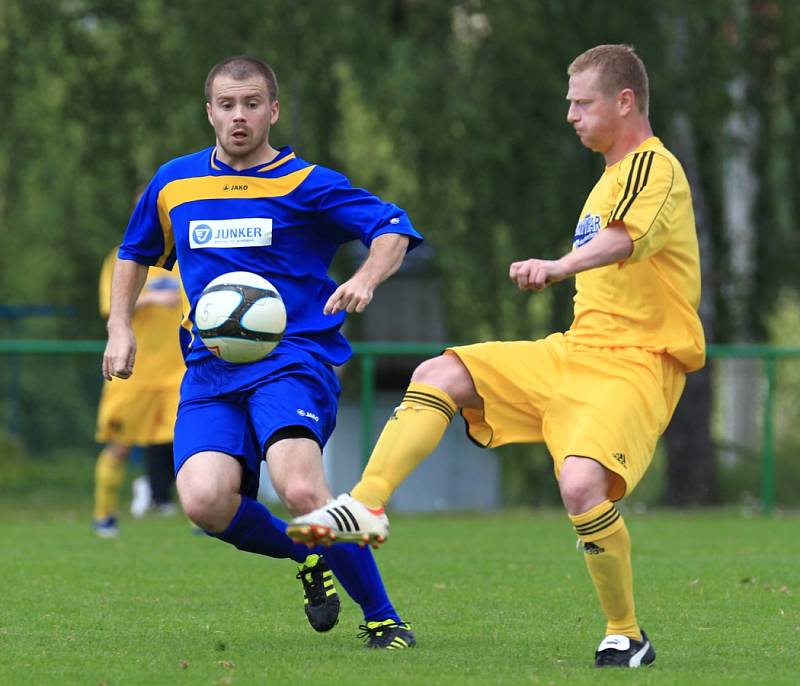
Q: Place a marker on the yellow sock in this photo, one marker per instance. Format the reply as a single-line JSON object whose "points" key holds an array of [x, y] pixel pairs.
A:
{"points": [[109, 473], [607, 548], [410, 435]]}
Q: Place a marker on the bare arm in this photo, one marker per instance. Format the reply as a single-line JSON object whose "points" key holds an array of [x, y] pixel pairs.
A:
{"points": [[610, 245], [126, 284], [385, 257]]}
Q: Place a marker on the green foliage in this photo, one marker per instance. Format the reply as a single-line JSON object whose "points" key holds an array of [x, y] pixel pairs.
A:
{"points": [[502, 598], [784, 329], [49, 402], [12, 460], [64, 477], [528, 479], [454, 109]]}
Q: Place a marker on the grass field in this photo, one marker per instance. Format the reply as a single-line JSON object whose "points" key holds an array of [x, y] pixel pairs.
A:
{"points": [[494, 599]]}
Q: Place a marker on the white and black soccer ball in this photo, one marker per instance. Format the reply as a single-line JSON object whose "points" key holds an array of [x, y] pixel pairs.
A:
{"points": [[240, 317]]}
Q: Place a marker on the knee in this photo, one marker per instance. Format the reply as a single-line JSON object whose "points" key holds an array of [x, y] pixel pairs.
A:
{"points": [[429, 372], [583, 484], [300, 496], [207, 506], [448, 374], [581, 493], [573, 494]]}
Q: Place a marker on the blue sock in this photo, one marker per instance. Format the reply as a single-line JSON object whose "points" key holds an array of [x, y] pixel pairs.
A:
{"points": [[256, 530], [356, 570]]}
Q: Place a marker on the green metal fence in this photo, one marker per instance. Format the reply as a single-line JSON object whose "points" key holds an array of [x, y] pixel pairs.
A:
{"points": [[769, 356], [368, 353]]}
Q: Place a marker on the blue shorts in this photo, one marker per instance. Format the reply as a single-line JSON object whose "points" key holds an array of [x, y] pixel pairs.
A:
{"points": [[236, 409]]}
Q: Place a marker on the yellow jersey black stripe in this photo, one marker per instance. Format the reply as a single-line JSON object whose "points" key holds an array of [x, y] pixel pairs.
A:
{"points": [[642, 175], [627, 185], [650, 299]]}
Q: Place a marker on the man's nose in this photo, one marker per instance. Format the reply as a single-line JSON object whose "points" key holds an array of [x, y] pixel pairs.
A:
{"points": [[572, 115]]}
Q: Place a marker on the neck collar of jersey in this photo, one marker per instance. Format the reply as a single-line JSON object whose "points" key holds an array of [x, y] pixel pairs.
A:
{"points": [[284, 155], [648, 142]]}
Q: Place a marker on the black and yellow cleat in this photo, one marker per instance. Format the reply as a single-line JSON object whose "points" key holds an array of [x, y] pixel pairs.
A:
{"points": [[387, 634], [321, 598]]}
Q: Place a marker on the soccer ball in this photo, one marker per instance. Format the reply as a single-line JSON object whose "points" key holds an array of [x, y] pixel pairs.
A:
{"points": [[240, 317]]}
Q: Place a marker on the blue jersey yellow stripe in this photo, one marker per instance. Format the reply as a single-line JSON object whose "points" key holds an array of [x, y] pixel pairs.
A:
{"points": [[277, 163], [228, 187], [284, 220]]}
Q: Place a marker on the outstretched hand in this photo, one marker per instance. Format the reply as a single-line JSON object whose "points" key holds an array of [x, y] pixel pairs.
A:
{"points": [[536, 275], [352, 296]]}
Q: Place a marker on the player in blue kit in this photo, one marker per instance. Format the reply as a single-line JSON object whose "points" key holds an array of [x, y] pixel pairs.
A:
{"points": [[242, 205]]}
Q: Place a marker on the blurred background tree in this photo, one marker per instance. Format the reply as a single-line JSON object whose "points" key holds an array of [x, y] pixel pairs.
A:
{"points": [[452, 108]]}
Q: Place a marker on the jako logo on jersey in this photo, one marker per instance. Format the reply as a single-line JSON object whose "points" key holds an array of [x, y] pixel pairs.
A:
{"points": [[586, 229], [235, 187], [230, 233], [310, 415]]}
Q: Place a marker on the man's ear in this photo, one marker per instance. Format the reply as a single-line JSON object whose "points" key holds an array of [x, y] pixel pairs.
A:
{"points": [[626, 101]]}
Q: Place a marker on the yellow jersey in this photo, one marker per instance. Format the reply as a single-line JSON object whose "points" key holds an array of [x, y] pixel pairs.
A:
{"points": [[159, 361], [649, 300]]}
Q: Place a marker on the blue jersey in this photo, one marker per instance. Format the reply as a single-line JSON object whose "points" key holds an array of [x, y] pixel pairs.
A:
{"points": [[284, 221]]}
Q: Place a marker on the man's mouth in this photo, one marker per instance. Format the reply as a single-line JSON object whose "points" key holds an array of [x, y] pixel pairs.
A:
{"points": [[239, 135]]}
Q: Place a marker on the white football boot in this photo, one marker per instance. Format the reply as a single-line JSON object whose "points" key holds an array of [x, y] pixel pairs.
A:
{"points": [[342, 520]]}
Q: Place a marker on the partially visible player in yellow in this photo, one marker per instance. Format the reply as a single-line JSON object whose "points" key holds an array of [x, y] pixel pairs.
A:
{"points": [[599, 395], [139, 411]]}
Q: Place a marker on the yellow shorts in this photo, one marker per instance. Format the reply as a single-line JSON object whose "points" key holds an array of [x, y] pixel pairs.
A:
{"points": [[608, 404], [135, 415]]}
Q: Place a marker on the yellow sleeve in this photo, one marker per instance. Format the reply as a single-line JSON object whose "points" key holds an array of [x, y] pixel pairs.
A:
{"points": [[106, 273], [646, 184]]}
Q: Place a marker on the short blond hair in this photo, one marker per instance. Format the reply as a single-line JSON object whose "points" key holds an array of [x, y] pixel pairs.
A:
{"points": [[618, 67]]}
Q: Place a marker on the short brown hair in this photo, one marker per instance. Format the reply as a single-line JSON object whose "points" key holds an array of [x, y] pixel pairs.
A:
{"points": [[240, 67], [618, 67]]}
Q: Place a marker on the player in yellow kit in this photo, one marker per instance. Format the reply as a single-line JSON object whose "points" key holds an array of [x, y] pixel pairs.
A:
{"points": [[139, 411], [598, 395]]}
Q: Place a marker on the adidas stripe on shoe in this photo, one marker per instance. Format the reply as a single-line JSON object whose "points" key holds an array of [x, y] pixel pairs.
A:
{"points": [[342, 520]]}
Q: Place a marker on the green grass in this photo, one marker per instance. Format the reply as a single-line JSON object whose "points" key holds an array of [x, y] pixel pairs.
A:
{"points": [[494, 599]]}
